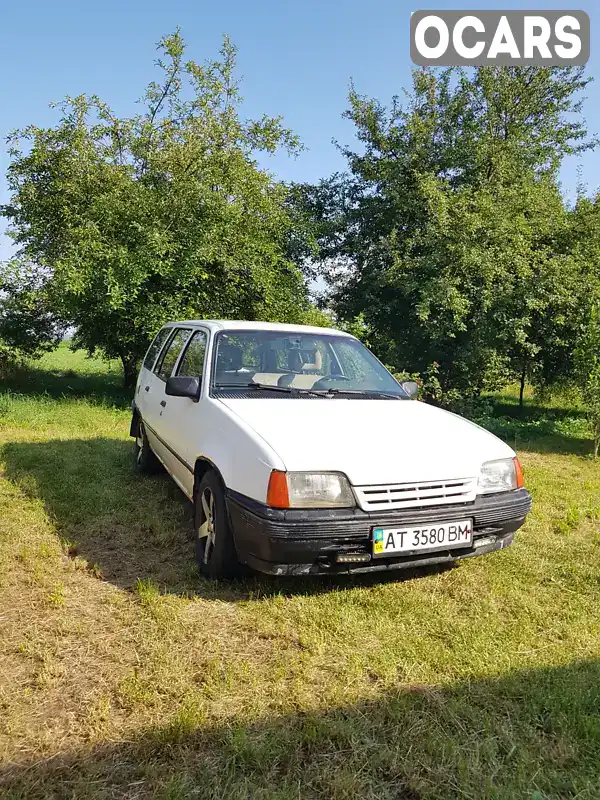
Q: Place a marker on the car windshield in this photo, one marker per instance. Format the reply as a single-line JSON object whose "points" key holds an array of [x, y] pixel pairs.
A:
{"points": [[301, 363]]}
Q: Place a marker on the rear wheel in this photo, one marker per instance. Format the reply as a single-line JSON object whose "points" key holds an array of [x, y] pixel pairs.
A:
{"points": [[145, 460], [215, 549]]}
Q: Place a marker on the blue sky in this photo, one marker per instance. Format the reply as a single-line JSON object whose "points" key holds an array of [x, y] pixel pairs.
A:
{"points": [[295, 58]]}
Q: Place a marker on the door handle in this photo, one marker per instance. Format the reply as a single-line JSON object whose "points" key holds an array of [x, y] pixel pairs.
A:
{"points": [[163, 403], [146, 388]]}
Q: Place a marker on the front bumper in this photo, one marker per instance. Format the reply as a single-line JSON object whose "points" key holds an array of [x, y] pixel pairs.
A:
{"points": [[302, 542]]}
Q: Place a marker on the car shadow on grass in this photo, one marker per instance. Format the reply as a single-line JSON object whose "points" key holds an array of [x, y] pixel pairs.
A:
{"points": [[533, 733], [130, 527]]}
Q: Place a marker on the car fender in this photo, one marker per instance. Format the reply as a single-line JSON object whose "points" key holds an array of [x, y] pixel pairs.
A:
{"points": [[242, 457]]}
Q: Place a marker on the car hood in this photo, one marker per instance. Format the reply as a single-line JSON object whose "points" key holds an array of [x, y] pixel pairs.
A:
{"points": [[371, 441]]}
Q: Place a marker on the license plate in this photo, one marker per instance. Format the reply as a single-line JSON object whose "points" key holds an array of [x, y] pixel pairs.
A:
{"points": [[417, 538]]}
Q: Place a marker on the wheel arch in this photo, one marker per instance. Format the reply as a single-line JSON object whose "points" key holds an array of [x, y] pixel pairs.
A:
{"points": [[135, 421], [201, 467]]}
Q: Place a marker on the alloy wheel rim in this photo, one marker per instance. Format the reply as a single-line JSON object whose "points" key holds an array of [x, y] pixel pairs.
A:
{"points": [[139, 440], [206, 530]]}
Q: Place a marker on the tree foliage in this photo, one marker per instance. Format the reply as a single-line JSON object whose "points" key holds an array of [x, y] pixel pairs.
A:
{"points": [[158, 216], [446, 245], [587, 369], [28, 325], [449, 234]]}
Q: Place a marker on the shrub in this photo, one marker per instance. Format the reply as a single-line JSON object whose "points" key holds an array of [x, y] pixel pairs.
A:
{"points": [[587, 371]]}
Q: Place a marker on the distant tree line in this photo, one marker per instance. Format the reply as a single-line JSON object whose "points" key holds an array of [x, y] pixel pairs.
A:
{"points": [[446, 244]]}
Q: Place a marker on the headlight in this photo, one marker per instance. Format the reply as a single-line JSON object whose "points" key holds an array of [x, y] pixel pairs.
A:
{"points": [[309, 490], [502, 475]]}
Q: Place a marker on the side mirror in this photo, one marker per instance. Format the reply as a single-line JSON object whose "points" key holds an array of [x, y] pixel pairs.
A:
{"points": [[411, 388], [183, 386]]}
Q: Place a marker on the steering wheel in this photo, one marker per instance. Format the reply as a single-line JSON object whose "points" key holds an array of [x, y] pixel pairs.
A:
{"points": [[325, 378]]}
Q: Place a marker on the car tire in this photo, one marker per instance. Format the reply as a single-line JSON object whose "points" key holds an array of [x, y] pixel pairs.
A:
{"points": [[216, 555], [146, 462]]}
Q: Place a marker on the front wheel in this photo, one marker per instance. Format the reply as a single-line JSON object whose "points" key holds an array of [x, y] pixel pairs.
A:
{"points": [[215, 549]]}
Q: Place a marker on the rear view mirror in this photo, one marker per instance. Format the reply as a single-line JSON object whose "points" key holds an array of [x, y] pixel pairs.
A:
{"points": [[183, 386], [411, 388]]}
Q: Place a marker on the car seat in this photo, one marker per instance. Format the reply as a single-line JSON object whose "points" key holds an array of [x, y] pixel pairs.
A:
{"points": [[230, 369], [300, 377]]}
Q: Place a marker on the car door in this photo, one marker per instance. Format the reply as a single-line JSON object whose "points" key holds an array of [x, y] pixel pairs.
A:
{"points": [[146, 378], [156, 398], [183, 419]]}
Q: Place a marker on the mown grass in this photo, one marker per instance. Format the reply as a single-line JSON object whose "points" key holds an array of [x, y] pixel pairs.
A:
{"points": [[125, 675]]}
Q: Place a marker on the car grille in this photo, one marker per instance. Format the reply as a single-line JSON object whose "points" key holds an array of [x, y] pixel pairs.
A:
{"points": [[414, 495]]}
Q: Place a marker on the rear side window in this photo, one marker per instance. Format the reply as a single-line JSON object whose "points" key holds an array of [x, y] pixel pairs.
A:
{"points": [[164, 366], [155, 347], [192, 362]]}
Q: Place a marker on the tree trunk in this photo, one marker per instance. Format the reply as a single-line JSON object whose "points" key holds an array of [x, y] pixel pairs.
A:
{"points": [[130, 371], [522, 389]]}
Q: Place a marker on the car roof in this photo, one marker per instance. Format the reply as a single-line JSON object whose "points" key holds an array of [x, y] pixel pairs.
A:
{"points": [[247, 325]]}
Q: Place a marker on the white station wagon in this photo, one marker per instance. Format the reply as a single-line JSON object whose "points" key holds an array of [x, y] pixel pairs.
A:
{"points": [[303, 454]]}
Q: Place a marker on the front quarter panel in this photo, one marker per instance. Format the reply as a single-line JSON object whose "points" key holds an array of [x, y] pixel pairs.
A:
{"points": [[241, 455]]}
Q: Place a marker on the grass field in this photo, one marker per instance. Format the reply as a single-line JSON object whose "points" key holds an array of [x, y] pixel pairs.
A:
{"points": [[125, 675]]}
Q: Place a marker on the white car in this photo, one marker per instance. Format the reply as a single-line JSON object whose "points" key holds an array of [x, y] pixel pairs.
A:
{"points": [[303, 454]]}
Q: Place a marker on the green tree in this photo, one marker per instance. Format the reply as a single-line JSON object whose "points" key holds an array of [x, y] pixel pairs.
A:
{"points": [[27, 324], [159, 216], [449, 234]]}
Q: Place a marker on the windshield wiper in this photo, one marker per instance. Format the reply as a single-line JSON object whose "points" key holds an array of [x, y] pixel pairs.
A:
{"points": [[285, 389], [294, 390], [367, 393]]}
